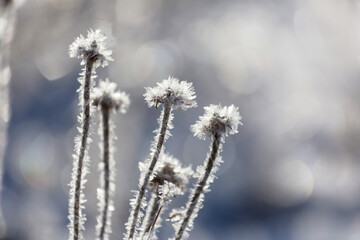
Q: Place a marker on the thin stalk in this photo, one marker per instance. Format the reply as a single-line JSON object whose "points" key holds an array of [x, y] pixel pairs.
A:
{"points": [[141, 193], [200, 186], [150, 216], [105, 117], [154, 222], [83, 146]]}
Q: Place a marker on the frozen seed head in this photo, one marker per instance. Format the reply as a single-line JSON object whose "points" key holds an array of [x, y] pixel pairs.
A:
{"points": [[168, 191], [91, 48], [217, 120], [171, 91], [105, 96], [170, 170]]}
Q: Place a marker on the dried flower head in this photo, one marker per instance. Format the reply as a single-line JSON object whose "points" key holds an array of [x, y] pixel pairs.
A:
{"points": [[170, 170], [217, 120], [168, 191], [91, 48], [171, 91], [106, 96]]}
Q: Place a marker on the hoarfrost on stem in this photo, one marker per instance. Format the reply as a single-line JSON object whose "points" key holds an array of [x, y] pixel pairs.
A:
{"points": [[91, 47], [176, 93], [105, 95], [217, 123], [169, 175], [171, 94], [107, 99], [217, 119], [93, 53]]}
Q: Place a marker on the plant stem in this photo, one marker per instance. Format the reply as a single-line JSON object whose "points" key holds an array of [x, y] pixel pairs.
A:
{"points": [[154, 222], [83, 146], [200, 187], [141, 193], [105, 117], [153, 208]]}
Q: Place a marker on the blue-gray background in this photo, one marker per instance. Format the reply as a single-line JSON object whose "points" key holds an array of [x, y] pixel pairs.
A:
{"points": [[292, 67]]}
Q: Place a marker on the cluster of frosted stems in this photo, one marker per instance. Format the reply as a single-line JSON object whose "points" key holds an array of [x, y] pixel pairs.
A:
{"points": [[169, 181], [93, 53], [161, 174], [171, 94]]}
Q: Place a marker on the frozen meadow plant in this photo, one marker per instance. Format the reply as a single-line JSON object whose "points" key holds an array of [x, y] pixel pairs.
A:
{"points": [[93, 53], [169, 175], [107, 100], [171, 94], [217, 123]]}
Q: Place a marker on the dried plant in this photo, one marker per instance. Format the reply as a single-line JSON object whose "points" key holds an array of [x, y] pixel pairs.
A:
{"points": [[217, 123], [170, 180], [171, 94], [93, 53], [161, 174], [107, 100]]}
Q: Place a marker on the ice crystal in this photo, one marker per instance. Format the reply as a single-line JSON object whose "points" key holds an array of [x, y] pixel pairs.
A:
{"points": [[171, 91], [170, 170], [168, 191], [170, 180], [107, 99], [91, 48], [217, 120], [106, 96], [93, 53], [217, 123]]}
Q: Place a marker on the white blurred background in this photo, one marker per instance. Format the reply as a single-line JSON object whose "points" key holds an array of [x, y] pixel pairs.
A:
{"points": [[292, 67]]}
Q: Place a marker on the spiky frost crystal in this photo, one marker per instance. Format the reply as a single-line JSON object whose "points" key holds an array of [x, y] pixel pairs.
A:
{"points": [[170, 170], [105, 95], [169, 181], [92, 47], [172, 91], [217, 120]]}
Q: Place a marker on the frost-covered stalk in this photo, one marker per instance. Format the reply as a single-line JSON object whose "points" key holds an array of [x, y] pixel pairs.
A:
{"points": [[169, 171], [217, 123], [93, 53], [106, 99], [152, 209], [171, 94]]}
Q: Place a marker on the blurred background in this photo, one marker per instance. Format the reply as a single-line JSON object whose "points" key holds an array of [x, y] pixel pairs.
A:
{"points": [[291, 66]]}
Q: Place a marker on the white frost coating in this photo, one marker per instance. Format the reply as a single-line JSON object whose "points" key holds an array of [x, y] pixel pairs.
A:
{"points": [[171, 94], [93, 46], [169, 181], [217, 119], [168, 191], [80, 149], [176, 93], [105, 94], [107, 100], [169, 169], [93, 53], [217, 123]]}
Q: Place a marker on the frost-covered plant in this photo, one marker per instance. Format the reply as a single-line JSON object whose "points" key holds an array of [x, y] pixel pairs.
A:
{"points": [[169, 175], [93, 53], [171, 94], [107, 100], [217, 123]]}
